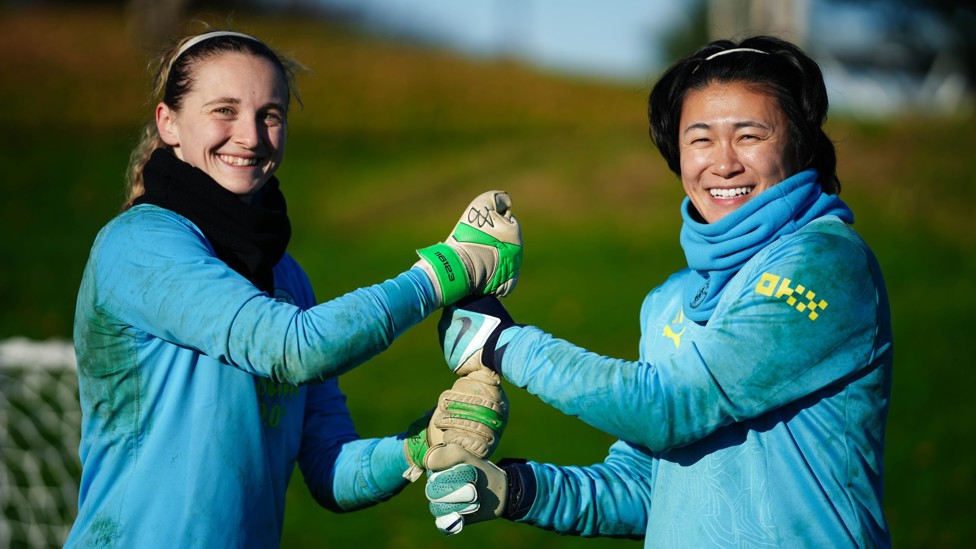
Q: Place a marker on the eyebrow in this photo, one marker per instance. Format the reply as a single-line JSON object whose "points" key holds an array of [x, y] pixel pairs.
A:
{"points": [[235, 101], [737, 126], [221, 100]]}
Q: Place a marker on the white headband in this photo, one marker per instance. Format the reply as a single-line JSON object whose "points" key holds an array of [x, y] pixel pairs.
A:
{"points": [[733, 50], [207, 36]]}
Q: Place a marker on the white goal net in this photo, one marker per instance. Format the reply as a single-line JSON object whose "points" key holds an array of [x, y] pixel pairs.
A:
{"points": [[40, 423]]}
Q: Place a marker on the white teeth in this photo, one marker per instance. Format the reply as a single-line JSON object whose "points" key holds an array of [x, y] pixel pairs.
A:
{"points": [[238, 161], [730, 193]]}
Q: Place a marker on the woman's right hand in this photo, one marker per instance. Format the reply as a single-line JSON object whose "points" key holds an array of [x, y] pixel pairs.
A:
{"points": [[482, 255]]}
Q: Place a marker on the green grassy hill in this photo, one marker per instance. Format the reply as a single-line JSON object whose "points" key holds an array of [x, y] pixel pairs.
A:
{"points": [[394, 140]]}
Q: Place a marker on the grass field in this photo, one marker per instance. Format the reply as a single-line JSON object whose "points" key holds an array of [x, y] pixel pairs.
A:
{"points": [[394, 140]]}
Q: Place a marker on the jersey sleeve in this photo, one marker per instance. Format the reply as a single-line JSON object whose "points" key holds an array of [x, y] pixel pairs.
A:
{"points": [[801, 316], [342, 471], [152, 273], [607, 499], [805, 318]]}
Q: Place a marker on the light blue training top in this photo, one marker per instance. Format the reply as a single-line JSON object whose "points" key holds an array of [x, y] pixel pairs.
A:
{"points": [[763, 427], [199, 392]]}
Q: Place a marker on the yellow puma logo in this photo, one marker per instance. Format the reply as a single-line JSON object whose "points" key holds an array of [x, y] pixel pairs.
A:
{"points": [[669, 333]]}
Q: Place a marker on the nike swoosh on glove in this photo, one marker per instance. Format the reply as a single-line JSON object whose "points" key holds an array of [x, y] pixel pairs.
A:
{"points": [[473, 333]]}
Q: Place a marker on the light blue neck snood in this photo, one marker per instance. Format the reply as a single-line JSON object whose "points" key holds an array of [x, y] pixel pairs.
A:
{"points": [[716, 251]]}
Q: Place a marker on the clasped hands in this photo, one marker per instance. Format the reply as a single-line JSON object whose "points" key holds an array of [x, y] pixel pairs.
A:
{"points": [[463, 487], [453, 447], [479, 260]]}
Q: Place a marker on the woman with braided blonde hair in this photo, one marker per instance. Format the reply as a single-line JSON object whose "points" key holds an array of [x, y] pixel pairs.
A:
{"points": [[207, 369]]}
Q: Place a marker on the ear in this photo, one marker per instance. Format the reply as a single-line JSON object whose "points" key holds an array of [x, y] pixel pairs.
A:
{"points": [[166, 125]]}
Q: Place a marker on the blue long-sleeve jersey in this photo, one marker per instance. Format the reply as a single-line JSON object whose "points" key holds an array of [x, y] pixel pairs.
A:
{"points": [[763, 427], [199, 392]]}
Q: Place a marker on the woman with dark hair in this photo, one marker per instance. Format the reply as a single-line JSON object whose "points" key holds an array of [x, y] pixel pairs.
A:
{"points": [[755, 415], [207, 368]]}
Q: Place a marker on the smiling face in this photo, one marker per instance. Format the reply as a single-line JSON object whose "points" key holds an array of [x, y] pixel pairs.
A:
{"points": [[231, 124], [733, 144]]}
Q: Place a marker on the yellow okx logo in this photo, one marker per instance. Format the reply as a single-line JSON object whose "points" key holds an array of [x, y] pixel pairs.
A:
{"points": [[799, 297]]}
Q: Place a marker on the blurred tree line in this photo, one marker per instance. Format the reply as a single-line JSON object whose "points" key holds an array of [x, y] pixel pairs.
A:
{"points": [[153, 21], [905, 18], [927, 32], [908, 23]]}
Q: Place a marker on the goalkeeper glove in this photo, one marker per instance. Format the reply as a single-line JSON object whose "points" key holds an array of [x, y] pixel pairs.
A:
{"points": [[473, 334], [482, 255], [465, 489], [473, 414]]}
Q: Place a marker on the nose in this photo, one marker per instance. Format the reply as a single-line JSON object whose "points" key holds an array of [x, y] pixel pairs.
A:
{"points": [[726, 163], [247, 133]]}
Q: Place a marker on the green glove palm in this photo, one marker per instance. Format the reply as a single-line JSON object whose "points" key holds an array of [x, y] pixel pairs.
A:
{"points": [[482, 255]]}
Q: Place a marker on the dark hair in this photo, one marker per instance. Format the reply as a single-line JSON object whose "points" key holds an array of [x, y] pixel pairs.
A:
{"points": [[786, 73], [173, 79]]}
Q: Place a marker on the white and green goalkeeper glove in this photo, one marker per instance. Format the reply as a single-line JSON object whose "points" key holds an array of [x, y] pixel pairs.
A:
{"points": [[473, 413], [465, 489], [481, 256]]}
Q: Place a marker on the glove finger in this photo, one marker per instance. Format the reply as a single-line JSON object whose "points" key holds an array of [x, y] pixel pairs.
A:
{"points": [[469, 427], [457, 498], [491, 484], [479, 441], [503, 204], [473, 398], [440, 509], [474, 443], [479, 212], [473, 415], [449, 524], [475, 392], [453, 406], [451, 492], [476, 427], [460, 473], [491, 213], [488, 380]]}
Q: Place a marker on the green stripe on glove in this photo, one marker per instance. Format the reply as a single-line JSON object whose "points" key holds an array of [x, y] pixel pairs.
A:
{"points": [[472, 414], [451, 276], [479, 414]]}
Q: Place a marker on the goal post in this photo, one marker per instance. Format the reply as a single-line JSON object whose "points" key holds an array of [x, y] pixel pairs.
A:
{"points": [[40, 427]]}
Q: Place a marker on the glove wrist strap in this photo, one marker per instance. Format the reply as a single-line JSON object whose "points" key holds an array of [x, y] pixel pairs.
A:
{"points": [[452, 276], [521, 488], [495, 345], [488, 352]]}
